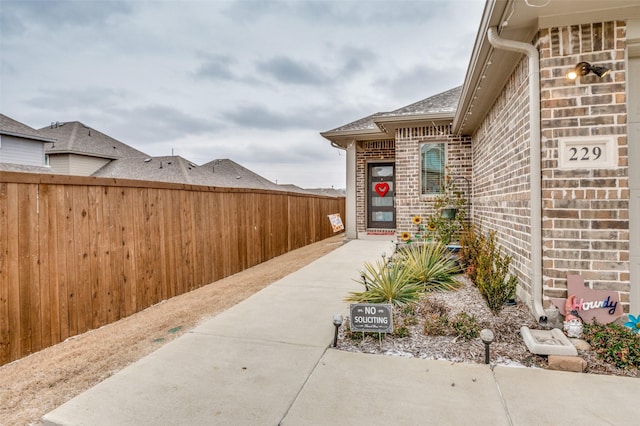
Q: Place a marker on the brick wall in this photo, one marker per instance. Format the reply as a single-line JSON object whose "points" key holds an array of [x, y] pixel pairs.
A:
{"points": [[585, 211], [409, 201], [501, 173]]}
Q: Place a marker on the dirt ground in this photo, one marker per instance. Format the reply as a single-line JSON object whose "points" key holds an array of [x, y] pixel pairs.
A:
{"points": [[35, 385]]}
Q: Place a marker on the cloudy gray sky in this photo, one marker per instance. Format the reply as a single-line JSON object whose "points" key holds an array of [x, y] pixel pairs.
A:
{"points": [[252, 81]]}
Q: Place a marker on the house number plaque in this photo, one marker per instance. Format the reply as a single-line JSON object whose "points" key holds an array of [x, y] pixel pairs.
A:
{"points": [[587, 153]]}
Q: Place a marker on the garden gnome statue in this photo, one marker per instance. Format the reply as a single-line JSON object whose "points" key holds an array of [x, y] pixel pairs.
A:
{"points": [[572, 322]]}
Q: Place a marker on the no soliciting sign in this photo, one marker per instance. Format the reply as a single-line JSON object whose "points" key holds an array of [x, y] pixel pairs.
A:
{"points": [[371, 317]]}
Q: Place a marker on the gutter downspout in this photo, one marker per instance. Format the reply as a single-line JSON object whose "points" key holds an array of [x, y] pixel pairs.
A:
{"points": [[534, 162]]}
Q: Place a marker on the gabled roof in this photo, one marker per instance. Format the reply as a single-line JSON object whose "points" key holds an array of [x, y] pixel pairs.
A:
{"points": [[11, 127], [74, 137], [163, 169], [382, 125], [329, 192], [224, 173], [228, 173], [445, 102]]}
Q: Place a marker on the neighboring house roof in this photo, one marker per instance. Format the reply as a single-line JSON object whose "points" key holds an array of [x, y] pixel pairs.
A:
{"points": [[9, 167], [74, 137], [292, 188], [441, 106], [223, 173], [163, 169], [329, 192], [11, 127], [228, 173]]}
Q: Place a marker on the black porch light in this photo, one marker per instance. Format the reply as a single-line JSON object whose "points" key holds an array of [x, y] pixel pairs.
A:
{"points": [[584, 68]]}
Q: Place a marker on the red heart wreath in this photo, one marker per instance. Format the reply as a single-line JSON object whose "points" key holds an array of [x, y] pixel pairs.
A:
{"points": [[382, 188]]}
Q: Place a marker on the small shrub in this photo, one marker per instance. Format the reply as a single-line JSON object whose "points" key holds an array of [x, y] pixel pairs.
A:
{"points": [[614, 344], [386, 285], [411, 320], [491, 275], [436, 325], [465, 326], [471, 244], [431, 306], [409, 310], [401, 331]]}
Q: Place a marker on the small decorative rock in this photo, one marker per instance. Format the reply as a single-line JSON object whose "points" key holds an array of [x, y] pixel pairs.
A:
{"points": [[580, 344]]}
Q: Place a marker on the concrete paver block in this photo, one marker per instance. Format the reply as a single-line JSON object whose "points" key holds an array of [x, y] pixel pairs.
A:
{"points": [[350, 389], [197, 380], [567, 363], [535, 396]]}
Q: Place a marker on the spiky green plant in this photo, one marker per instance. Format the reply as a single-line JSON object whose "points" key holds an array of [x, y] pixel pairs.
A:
{"points": [[432, 266], [387, 283]]}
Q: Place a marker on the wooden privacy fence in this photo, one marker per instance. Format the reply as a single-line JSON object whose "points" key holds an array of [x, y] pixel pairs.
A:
{"points": [[77, 253]]}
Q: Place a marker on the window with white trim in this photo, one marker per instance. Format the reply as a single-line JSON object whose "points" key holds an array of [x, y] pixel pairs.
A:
{"points": [[432, 167]]}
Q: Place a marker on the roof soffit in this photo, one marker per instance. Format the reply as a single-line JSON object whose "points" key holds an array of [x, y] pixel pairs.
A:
{"points": [[489, 68]]}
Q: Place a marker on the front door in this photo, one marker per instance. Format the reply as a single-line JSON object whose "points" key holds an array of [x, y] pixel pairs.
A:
{"points": [[381, 196]]}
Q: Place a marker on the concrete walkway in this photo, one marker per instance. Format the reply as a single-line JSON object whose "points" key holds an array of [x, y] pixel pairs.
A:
{"points": [[267, 361]]}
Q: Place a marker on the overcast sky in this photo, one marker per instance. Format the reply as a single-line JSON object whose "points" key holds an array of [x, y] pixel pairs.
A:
{"points": [[252, 81]]}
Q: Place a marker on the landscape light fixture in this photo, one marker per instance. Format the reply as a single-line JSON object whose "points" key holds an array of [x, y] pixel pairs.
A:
{"points": [[584, 68], [486, 336], [337, 322]]}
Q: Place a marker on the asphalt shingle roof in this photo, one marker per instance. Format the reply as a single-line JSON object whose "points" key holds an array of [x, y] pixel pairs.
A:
{"points": [[9, 126], [223, 172], [75, 137], [442, 102]]}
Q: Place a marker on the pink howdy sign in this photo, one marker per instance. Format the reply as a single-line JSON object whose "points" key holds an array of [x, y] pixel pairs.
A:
{"points": [[603, 305]]}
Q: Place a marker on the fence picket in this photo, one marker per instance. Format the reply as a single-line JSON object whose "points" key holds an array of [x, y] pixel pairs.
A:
{"points": [[77, 253]]}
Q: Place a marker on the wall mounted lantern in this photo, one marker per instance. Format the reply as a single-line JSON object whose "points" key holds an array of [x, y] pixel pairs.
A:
{"points": [[584, 68]]}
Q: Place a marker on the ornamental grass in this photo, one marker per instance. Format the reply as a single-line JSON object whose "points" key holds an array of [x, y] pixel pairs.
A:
{"points": [[386, 283], [431, 265]]}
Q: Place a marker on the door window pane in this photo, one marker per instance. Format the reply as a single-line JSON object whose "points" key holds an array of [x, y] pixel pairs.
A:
{"points": [[382, 201], [382, 171], [432, 162], [382, 216]]}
